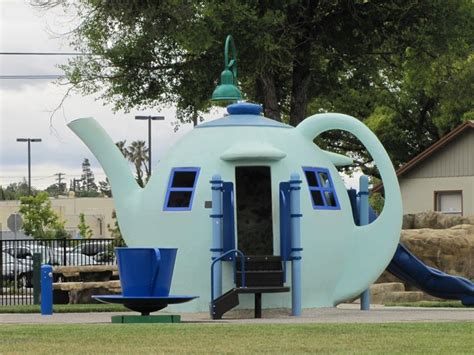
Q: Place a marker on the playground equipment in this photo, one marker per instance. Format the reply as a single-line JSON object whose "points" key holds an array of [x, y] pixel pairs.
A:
{"points": [[275, 201], [145, 277], [257, 159]]}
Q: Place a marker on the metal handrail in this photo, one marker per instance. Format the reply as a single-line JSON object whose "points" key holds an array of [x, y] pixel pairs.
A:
{"points": [[242, 267]]}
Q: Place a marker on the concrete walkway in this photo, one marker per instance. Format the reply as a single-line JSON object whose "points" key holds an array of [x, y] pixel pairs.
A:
{"points": [[341, 314]]}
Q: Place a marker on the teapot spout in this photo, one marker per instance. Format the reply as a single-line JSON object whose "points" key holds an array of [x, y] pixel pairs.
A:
{"points": [[109, 156]]}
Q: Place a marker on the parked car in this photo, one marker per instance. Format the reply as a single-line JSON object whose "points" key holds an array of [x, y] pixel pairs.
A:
{"points": [[92, 248], [26, 251], [23, 269], [79, 259], [72, 257]]}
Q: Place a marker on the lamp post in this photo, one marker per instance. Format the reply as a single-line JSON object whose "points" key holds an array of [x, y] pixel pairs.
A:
{"points": [[149, 118], [29, 140], [228, 89]]}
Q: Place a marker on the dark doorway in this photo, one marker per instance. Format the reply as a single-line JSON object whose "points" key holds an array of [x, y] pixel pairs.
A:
{"points": [[254, 210]]}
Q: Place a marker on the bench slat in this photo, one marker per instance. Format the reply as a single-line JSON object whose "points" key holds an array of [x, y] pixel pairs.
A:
{"points": [[83, 268]]}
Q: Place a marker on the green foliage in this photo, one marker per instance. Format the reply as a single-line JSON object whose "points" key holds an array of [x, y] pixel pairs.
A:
{"points": [[115, 231], [137, 154], [16, 190], [87, 185], [39, 219], [404, 67], [55, 190], [104, 188], [377, 201], [416, 93], [84, 229]]}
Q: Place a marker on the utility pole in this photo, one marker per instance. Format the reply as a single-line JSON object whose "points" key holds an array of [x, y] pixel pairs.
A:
{"points": [[150, 118], [74, 181], [29, 140], [59, 179]]}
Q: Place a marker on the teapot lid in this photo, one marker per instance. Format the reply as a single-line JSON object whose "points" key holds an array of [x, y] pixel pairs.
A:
{"points": [[244, 114]]}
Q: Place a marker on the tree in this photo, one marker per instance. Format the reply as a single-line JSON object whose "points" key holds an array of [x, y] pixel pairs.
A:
{"points": [[55, 190], [137, 154], [104, 188], [87, 187], [84, 229], [39, 219], [16, 190], [396, 64], [115, 231], [421, 94]]}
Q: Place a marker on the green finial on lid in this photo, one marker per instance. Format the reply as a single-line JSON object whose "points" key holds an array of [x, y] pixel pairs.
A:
{"points": [[228, 89]]}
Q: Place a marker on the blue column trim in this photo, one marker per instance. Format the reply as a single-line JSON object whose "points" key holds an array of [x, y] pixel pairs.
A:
{"points": [[364, 220], [216, 247], [295, 227]]}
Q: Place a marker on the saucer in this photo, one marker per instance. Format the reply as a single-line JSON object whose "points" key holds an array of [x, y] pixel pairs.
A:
{"points": [[143, 304]]}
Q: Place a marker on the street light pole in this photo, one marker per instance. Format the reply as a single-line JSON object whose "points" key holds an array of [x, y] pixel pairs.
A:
{"points": [[29, 140], [149, 118]]}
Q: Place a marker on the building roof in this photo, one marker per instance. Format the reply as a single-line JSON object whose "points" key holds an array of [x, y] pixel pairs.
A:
{"points": [[428, 152]]}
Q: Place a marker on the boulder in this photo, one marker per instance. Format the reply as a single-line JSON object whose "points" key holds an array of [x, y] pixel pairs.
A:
{"points": [[434, 220], [83, 296], [408, 221], [450, 250]]}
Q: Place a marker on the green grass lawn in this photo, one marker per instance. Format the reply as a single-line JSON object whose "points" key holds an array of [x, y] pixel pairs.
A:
{"points": [[429, 304], [66, 308], [238, 338]]}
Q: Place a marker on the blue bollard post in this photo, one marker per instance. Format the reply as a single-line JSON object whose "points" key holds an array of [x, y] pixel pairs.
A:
{"points": [[295, 214], [216, 249], [46, 290], [363, 220]]}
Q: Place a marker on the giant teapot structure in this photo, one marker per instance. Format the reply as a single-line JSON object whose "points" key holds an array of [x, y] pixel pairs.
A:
{"points": [[254, 155]]}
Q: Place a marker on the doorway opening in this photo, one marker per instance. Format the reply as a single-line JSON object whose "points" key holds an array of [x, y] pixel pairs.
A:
{"points": [[254, 210]]}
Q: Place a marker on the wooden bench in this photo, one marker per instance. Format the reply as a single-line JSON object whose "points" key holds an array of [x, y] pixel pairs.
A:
{"points": [[77, 271], [88, 280]]}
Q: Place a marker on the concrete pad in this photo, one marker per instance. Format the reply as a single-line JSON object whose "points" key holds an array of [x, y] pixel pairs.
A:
{"points": [[341, 314]]}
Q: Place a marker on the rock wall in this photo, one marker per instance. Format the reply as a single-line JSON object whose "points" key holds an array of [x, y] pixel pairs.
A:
{"points": [[434, 220], [450, 250]]}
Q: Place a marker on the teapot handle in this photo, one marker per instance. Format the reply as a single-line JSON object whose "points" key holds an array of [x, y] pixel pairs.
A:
{"points": [[372, 245], [314, 125]]}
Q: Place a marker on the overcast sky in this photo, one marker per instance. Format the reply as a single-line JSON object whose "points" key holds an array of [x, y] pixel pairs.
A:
{"points": [[26, 105]]}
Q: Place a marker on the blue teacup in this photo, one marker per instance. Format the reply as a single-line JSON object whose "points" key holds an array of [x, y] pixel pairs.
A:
{"points": [[145, 272]]}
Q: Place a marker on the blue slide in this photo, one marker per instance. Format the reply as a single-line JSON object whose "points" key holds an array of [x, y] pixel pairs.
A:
{"points": [[412, 270], [408, 268]]}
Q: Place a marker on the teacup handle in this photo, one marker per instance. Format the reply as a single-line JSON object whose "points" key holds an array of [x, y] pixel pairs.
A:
{"points": [[157, 269]]}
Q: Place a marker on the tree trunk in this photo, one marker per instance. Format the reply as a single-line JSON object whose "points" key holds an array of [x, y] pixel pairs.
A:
{"points": [[299, 88], [267, 93], [301, 75]]}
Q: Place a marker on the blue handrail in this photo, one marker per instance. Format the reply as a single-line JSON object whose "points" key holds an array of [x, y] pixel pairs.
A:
{"points": [[242, 267]]}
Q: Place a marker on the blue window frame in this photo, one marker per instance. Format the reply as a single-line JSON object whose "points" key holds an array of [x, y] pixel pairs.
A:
{"points": [[181, 186], [321, 189]]}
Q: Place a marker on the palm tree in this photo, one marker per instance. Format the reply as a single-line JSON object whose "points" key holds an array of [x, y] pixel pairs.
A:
{"points": [[121, 145], [137, 154]]}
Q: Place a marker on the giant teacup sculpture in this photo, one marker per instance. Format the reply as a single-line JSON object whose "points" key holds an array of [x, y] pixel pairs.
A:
{"points": [[145, 277]]}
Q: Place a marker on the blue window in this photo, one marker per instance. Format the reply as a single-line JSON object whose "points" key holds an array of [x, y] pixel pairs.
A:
{"points": [[179, 196], [321, 189]]}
